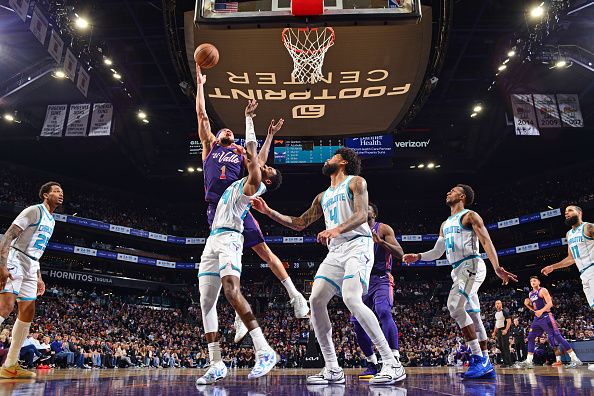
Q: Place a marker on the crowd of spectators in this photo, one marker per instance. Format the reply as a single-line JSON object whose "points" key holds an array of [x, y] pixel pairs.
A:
{"points": [[82, 328]]}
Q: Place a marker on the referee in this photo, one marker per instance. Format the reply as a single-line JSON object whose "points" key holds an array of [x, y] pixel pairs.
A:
{"points": [[501, 333]]}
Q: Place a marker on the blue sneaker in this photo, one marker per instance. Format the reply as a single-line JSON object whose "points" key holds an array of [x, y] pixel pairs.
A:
{"points": [[265, 361], [372, 370], [479, 367]]}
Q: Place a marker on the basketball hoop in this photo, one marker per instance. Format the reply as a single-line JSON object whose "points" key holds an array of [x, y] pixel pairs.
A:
{"points": [[308, 47]]}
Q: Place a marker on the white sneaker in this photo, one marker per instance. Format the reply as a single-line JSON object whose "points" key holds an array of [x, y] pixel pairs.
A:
{"points": [[524, 364], [240, 329], [265, 360], [390, 373], [591, 366], [215, 373], [327, 376], [299, 304], [575, 363]]}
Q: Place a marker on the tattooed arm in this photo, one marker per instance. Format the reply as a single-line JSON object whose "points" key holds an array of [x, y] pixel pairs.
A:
{"points": [[296, 223]]}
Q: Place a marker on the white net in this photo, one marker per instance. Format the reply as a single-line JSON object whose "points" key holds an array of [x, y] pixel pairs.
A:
{"points": [[308, 47]]}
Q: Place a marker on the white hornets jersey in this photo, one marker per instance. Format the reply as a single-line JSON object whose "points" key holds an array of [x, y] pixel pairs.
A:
{"points": [[582, 249], [232, 208], [337, 205], [461, 243], [38, 226]]}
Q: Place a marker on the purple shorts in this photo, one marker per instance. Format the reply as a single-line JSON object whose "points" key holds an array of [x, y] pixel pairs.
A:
{"points": [[380, 291], [252, 235], [546, 325]]}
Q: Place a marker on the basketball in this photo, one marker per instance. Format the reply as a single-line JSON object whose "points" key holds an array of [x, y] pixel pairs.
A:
{"points": [[206, 56]]}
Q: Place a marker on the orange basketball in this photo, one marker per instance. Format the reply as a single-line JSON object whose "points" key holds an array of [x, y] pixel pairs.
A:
{"points": [[206, 55]]}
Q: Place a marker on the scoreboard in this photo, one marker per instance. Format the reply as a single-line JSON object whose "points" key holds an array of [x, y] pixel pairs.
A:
{"points": [[310, 151]]}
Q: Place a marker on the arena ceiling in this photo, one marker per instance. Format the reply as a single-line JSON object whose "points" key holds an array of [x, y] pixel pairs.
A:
{"points": [[146, 41]]}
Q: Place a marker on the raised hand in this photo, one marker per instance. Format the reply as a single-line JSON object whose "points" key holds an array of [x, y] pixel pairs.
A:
{"points": [[200, 78], [505, 275], [250, 108], [547, 270], [260, 205], [411, 258], [274, 128]]}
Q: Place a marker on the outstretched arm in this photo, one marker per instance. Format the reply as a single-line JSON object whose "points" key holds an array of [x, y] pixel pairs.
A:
{"points": [[204, 132], [473, 219], [387, 240], [254, 178], [358, 187], [566, 262], [296, 223], [272, 130], [433, 254]]}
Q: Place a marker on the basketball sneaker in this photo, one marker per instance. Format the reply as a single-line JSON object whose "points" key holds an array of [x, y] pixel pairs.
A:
{"points": [[300, 307], [327, 376], [240, 329], [479, 367], [591, 366], [524, 364], [216, 372], [266, 359], [372, 369], [16, 371], [575, 363], [390, 373]]}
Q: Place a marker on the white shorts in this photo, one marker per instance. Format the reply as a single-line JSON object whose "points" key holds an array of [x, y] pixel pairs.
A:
{"points": [[588, 283], [222, 255], [468, 278], [24, 276], [348, 260]]}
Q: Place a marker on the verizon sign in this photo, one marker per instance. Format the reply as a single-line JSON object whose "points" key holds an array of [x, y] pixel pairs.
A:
{"points": [[412, 144]]}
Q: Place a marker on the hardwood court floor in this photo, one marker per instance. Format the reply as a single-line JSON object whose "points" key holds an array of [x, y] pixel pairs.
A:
{"points": [[545, 381]]}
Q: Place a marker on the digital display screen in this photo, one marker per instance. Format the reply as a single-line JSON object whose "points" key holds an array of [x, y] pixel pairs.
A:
{"points": [[310, 151], [372, 146]]}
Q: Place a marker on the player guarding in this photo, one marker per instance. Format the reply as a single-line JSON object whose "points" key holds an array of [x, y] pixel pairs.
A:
{"points": [[540, 302], [220, 264], [459, 238], [223, 163], [380, 297], [580, 250], [346, 268], [20, 277]]}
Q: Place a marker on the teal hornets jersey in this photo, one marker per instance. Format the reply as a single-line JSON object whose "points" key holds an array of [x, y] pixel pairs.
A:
{"points": [[582, 249], [461, 242], [337, 205], [38, 226], [233, 206]]}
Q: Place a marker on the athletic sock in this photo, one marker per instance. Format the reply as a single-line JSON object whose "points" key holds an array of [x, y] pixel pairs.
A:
{"points": [[20, 331], [572, 355], [214, 352], [396, 353], [529, 358], [475, 347], [258, 339], [558, 358], [288, 284], [372, 359], [485, 353]]}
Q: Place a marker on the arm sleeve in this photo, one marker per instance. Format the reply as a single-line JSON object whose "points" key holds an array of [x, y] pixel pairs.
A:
{"points": [[437, 251], [27, 217], [250, 132]]}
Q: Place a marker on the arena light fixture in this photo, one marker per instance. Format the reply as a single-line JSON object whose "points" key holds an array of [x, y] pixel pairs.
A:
{"points": [[538, 11], [505, 61], [430, 165], [117, 76], [107, 61], [477, 108], [59, 74], [561, 63], [180, 170], [437, 166], [502, 68], [473, 115], [412, 166], [145, 120], [141, 114], [9, 117], [511, 53], [190, 169], [421, 166], [198, 169], [81, 23]]}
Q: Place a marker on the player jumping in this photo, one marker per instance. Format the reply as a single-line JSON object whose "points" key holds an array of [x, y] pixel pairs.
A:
{"points": [[220, 264], [459, 238], [223, 163]]}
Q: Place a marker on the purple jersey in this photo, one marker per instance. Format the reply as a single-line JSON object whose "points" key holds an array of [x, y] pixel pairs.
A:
{"points": [[222, 167], [383, 259], [537, 301]]}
